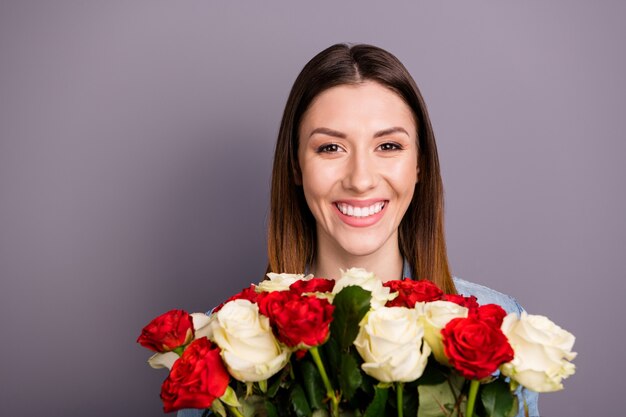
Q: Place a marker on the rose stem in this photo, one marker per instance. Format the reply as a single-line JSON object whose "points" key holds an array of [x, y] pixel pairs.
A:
{"points": [[399, 390], [330, 393], [471, 399]]}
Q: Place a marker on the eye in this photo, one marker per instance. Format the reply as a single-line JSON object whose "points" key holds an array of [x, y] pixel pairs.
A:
{"points": [[328, 148], [390, 146]]}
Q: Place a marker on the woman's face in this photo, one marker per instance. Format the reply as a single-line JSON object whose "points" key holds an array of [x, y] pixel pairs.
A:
{"points": [[358, 160]]}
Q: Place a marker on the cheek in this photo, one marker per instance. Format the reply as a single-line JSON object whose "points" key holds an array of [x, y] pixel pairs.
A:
{"points": [[311, 191], [318, 182], [403, 177]]}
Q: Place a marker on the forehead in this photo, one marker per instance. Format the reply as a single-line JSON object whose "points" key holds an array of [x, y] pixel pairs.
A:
{"points": [[367, 104]]}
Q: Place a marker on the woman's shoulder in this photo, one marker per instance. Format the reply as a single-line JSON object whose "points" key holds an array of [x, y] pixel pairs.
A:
{"points": [[486, 295]]}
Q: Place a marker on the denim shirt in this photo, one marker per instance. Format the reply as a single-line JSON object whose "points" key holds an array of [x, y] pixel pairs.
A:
{"points": [[484, 295]]}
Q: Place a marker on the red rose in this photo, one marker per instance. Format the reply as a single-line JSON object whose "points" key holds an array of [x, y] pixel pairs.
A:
{"points": [[470, 302], [474, 347], [411, 292], [197, 378], [167, 332], [312, 285], [249, 294], [297, 320], [492, 314]]}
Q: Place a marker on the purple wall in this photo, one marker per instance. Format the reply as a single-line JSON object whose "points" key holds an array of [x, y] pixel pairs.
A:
{"points": [[135, 151]]}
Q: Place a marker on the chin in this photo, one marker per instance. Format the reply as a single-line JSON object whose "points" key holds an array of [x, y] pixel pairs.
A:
{"points": [[362, 248]]}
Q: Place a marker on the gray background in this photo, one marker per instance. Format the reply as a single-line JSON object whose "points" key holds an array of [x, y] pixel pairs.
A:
{"points": [[135, 149]]}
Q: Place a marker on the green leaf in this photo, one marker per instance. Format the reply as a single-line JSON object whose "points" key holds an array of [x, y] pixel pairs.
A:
{"points": [[330, 351], [230, 397], [218, 408], [456, 383], [441, 399], [350, 377], [351, 304], [313, 385], [270, 409], [497, 398], [367, 386], [377, 406], [276, 381], [299, 402], [252, 405]]}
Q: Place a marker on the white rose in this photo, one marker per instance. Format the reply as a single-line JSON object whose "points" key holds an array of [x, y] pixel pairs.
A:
{"points": [[280, 282], [434, 316], [390, 341], [249, 349], [163, 360], [368, 281], [201, 325], [201, 329], [542, 352]]}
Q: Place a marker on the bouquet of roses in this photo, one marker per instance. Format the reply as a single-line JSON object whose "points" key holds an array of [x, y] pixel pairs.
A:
{"points": [[296, 345]]}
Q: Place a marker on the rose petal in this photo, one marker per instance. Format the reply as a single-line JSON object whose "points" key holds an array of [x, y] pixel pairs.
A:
{"points": [[163, 360]]}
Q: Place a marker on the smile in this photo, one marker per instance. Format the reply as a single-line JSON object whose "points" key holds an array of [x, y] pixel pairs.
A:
{"points": [[360, 212]]}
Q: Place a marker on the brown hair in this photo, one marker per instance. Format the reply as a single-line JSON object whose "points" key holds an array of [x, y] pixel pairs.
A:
{"points": [[291, 232]]}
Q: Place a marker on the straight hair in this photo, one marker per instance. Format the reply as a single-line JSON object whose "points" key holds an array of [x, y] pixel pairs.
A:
{"points": [[291, 230]]}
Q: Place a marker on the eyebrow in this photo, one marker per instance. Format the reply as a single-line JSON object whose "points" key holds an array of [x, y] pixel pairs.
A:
{"points": [[390, 131], [337, 134], [328, 132]]}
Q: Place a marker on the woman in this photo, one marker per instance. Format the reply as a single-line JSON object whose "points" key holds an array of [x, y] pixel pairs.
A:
{"points": [[356, 179]]}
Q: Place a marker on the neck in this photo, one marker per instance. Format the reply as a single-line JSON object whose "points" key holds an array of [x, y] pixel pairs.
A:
{"points": [[386, 262]]}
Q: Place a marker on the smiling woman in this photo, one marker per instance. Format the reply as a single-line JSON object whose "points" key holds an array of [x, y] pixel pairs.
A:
{"points": [[356, 180], [356, 129]]}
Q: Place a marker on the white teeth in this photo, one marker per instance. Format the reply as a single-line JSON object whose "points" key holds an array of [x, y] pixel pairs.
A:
{"points": [[360, 211]]}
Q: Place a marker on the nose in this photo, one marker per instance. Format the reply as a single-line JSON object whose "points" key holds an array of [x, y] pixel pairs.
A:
{"points": [[361, 173]]}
